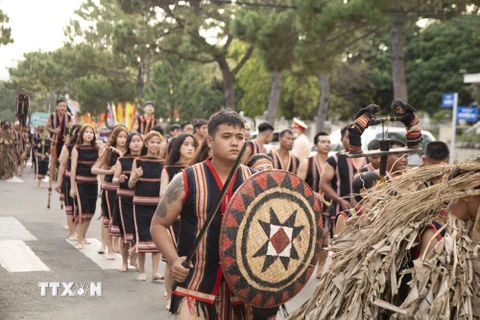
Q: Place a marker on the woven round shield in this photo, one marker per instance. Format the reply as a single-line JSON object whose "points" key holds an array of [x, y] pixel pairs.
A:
{"points": [[270, 238]]}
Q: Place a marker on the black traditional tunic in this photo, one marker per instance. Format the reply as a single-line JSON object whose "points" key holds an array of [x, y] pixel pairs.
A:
{"points": [[109, 192], [255, 147], [122, 221], [292, 165], [59, 122], [204, 290], [68, 201], [87, 183], [144, 124], [145, 201], [314, 171], [341, 183], [42, 165]]}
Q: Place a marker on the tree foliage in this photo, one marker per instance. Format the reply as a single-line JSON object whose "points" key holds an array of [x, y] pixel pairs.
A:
{"points": [[5, 31], [7, 103], [181, 89], [437, 58], [194, 30], [93, 76]]}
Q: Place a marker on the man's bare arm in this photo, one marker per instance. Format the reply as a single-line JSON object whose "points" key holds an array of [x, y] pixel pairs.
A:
{"points": [[168, 209], [302, 169], [327, 176]]}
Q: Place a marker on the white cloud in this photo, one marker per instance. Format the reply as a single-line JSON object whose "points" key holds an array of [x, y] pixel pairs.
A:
{"points": [[36, 25]]}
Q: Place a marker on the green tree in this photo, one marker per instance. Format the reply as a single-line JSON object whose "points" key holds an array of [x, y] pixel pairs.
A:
{"points": [[197, 31], [274, 34], [299, 91], [329, 31], [438, 56], [182, 89], [130, 37], [93, 76], [5, 31], [7, 103]]}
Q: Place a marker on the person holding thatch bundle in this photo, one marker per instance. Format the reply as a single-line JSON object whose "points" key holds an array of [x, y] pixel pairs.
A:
{"points": [[8, 156], [408, 255]]}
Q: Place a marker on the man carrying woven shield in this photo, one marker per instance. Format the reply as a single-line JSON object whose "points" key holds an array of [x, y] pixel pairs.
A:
{"points": [[202, 292]]}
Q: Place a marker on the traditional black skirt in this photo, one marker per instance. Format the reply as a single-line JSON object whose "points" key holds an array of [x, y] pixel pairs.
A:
{"points": [[143, 218], [108, 204], [122, 221], [42, 167], [68, 201], [86, 200]]}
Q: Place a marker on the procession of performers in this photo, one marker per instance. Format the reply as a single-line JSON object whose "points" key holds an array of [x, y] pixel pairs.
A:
{"points": [[156, 193]]}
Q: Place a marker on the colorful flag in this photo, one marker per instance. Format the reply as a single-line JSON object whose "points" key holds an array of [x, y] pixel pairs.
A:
{"points": [[128, 115], [120, 114]]}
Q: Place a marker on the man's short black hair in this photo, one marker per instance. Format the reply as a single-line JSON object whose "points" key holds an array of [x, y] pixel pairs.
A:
{"points": [[227, 117], [184, 124], [437, 150], [284, 132], [158, 129], [397, 143], [365, 180], [152, 103], [264, 126], [374, 145], [254, 158], [60, 101], [199, 123], [318, 135], [173, 127]]}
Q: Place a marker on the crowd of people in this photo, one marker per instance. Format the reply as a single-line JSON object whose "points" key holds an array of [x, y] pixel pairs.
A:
{"points": [[157, 188]]}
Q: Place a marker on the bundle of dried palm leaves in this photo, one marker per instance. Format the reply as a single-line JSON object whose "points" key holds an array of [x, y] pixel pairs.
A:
{"points": [[8, 157], [363, 280]]}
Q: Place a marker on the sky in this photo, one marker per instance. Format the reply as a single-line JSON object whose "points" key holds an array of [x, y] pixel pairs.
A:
{"points": [[36, 25]]}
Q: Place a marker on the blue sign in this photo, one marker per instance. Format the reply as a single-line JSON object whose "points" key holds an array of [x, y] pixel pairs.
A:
{"points": [[39, 118], [448, 99], [467, 113]]}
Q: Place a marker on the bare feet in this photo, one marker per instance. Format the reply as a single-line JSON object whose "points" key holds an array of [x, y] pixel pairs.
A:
{"points": [[73, 237], [165, 294], [133, 262], [168, 304], [66, 227], [111, 256], [88, 242], [123, 268], [142, 277], [157, 276], [79, 246]]}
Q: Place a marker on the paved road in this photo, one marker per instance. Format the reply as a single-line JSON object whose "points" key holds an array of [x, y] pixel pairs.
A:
{"points": [[34, 249]]}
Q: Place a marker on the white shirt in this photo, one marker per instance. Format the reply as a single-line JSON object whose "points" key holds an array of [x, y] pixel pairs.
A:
{"points": [[301, 147]]}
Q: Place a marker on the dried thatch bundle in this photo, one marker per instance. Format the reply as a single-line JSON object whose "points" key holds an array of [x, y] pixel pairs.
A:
{"points": [[363, 280], [8, 157]]}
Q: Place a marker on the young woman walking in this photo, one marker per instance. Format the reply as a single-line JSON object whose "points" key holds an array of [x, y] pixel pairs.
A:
{"points": [[122, 225], [83, 183], [145, 180], [116, 146]]}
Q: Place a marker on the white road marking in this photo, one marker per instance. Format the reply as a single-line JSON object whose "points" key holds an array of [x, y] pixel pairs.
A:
{"points": [[15, 180], [90, 251], [16, 256], [12, 229]]}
